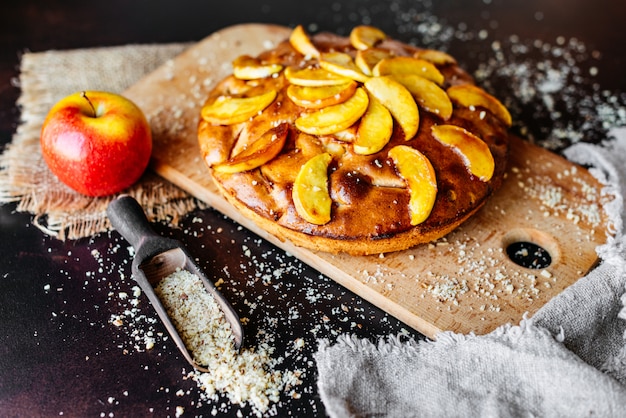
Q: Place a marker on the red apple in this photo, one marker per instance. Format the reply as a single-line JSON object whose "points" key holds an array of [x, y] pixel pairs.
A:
{"points": [[97, 143]]}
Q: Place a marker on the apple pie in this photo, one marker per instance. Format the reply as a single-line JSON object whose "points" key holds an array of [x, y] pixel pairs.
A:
{"points": [[360, 144]]}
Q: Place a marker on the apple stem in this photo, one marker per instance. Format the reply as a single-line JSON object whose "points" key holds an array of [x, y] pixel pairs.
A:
{"points": [[84, 95]]}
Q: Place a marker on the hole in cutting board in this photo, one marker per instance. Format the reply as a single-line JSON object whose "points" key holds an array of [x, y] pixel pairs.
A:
{"points": [[529, 255], [531, 248]]}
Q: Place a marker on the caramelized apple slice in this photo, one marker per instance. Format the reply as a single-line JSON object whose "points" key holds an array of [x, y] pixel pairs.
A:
{"points": [[301, 42], [427, 94], [319, 97], [435, 56], [228, 110], [346, 135], [473, 150], [314, 77], [366, 59], [308, 145], [332, 119], [310, 190], [258, 153], [408, 65], [395, 97], [246, 67], [468, 95], [363, 36], [336, 149], [342, 64], [374, 130], [418, 172]]}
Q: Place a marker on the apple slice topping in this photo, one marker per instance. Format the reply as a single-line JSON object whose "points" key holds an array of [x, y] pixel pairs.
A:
{"points": [[395, 97], [246, 67], [313, 77], [469, 95], [408, 65], [419, 174], [364, 36], [257, 153], [342, 64], [366, 59], [474, 151], [375, 129], [310, 190], [351, 101], [428, 95], [319, 97], [435, 56], [332, 119], [228, 110], [301, 42], [346, 135]]}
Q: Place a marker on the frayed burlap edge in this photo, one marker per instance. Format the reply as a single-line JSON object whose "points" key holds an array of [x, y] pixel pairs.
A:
{"points": [[45, 78]]}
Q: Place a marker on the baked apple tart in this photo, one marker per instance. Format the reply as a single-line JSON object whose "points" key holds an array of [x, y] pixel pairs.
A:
{"points": [[359, 144]]}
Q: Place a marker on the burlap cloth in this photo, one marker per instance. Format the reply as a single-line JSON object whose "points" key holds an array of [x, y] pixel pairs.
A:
{"points": [[44, 79]]}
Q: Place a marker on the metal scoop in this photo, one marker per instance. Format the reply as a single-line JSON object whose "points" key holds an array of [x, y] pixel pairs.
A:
{"points": [[157, 257]]}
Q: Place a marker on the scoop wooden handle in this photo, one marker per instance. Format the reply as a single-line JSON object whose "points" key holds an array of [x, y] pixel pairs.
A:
{"points": [[129, 219]]}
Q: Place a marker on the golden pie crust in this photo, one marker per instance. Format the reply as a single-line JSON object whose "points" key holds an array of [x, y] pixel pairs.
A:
{"points": [[370, 200]]}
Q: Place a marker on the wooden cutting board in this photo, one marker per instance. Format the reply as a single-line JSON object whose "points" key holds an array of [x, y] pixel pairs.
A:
{"points": [[463, 283]]}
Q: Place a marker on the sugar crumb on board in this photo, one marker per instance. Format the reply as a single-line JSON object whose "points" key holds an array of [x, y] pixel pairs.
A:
{"points": [[484, 274], [581, 202]]}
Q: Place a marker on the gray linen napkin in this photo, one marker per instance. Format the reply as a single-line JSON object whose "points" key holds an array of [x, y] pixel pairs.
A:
{"points": [[569, 360]]}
